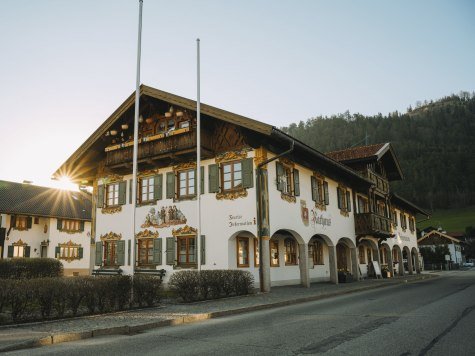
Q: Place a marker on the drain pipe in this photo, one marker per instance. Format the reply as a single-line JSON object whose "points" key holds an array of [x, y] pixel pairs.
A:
{"points": [[263, 282]]}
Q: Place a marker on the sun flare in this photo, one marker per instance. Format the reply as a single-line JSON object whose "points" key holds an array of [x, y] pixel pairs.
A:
{"points": [[65, 183]]}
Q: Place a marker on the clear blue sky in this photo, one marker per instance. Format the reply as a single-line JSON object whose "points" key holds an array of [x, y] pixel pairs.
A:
{"points": [[65, 66]]}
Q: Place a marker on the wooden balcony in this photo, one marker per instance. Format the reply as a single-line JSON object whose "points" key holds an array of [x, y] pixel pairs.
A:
{"points": [[381, 184], [372, 224], [177, 144]]}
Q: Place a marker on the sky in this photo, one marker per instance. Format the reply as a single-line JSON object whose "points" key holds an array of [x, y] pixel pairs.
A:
{"points": [[65, 66]]}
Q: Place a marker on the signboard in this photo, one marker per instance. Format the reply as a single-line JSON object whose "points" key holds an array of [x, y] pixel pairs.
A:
{"points": [[377, 269], [447, 257]]}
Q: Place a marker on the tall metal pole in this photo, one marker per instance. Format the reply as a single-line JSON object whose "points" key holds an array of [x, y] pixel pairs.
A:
{"points": [[136, 136], [198, 157]]}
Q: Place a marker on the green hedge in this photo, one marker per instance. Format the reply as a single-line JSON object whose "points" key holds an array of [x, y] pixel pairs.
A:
{"points": [[47, 298], [17, 268], [209, 284]]}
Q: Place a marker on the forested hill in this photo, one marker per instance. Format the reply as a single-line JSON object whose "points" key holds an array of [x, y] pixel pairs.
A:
{"points": [[435, 144]]}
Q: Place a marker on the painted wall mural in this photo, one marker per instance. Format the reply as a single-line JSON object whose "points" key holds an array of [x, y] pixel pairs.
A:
{"points": [[164, 217], [323, 219]]}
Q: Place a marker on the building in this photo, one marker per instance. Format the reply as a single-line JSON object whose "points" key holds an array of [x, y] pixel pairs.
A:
{"points": [[433, 238], [266, 197], [38, 222]]}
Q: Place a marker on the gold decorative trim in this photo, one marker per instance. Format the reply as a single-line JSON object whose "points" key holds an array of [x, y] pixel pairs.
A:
{"points": [[111, 209], [319, 175], [242, 193], [148, 172], [185, 230], [286, 162], [112, 178], [232, 155], [68, 245], [19, 243], [344, 213], [146, 234], [260, 156], [183, 166], [288, 198], [20, 228], [321, 206], [111, 236]]}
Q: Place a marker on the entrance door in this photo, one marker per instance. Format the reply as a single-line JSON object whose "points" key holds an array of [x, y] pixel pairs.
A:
{"points": [[43, 251]]}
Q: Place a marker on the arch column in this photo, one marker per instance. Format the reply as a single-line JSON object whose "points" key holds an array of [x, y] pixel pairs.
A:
{"points": [[409, 262], [333, 265], [354, 263], [389, 257], [415, 253], [303, 265], [264, 254]]}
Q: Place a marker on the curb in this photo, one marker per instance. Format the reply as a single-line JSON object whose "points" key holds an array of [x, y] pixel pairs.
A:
{"points": [[127, 330]]}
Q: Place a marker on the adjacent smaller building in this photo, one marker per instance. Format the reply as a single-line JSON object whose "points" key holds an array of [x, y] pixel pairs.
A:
{"points": [[436, 238], [39, 222]]}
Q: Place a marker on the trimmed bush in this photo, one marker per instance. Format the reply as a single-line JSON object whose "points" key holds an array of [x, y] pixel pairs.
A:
{"points": [[147, 290], [20, 299], [17, 268], [200, 285]]}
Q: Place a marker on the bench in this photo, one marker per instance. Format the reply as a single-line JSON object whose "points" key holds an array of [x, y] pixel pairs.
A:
{"points": [[153, 272], [107, 272]]}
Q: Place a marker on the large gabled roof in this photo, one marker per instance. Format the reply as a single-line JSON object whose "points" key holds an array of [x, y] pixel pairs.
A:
{"points": [[33, 200], [377, 152], [438, 234], [400, 202]]}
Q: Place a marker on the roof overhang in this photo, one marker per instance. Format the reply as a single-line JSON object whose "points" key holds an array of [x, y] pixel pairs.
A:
{"points": [[406, 204], [438, 233]]}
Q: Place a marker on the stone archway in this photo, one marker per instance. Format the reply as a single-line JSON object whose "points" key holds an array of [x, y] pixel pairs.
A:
{"points": [[415, 260], [243, 250], [397, 260], [406, 255], [386, 259], [321, 253], [346, 257], [368, 252]]}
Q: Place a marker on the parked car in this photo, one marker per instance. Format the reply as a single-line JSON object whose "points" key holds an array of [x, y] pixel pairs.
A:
{"points": [[468, 264]]}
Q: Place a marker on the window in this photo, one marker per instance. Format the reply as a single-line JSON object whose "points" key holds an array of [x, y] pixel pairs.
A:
{"points": [[186, 183], [319, 191], [411, 224], [146, 189], [381, 206], [186, 251], [344, 200], [394, 218], [19, 251], [70, 225], [274, 253], [361, 255], [110, 253], [112, 194], [68, 252], [363, 206], [287, 179], [256, 252], [36, 220], [21, 222], [242, 251], [317, 249], [403, 220], [145, 251], [290, 252], [231, 175]]}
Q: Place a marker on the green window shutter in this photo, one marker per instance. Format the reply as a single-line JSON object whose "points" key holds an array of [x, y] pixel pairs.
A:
{"points": [[247, 173], [203, 249], [202, 179], [195, 252], [129, 246], [121, 252], [325, 191], [157, 251], [213, 178], [296, 182], [100, 196], [80, 252], [279, 175], [98, 253], [338, 194], [57, 251], [29, 221], [27, 251], [313, 184], [130, 191], [81, 225], [348, 201], [122, 192], [10, 252], [158, 187], [170, 185], [170, 251], [59, 224]]}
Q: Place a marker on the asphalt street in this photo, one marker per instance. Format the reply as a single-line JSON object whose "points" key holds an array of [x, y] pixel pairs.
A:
{"points": [[433, 317]]}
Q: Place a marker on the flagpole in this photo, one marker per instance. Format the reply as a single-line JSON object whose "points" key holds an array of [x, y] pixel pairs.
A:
{"points": [[198, 157], [136, 136]]}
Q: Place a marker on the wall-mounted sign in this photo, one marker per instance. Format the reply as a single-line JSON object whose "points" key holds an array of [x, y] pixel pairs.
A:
{"points": [[238, 221], [323, 219]]}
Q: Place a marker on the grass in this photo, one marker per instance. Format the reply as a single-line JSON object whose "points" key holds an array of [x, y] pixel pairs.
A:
{"points": [[451, 220]]}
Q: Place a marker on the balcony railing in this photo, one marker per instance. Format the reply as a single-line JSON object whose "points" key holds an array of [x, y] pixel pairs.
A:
{"points": [[380, 182], [372, 224]]}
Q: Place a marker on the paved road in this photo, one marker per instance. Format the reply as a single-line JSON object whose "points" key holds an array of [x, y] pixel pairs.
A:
{"points": [[434, 317]]}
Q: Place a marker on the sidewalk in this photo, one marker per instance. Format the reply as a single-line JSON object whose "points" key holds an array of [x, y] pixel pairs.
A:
{"points": [[128, 322]]}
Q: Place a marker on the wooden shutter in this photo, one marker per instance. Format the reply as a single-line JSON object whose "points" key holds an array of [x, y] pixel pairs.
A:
{"points": [[121, 252], [122, 192], [29, 221], [170, 251], [202, 179], [325, 193], [157, 251], [10, 251], [339, 197], [81, 225], [213, 178], [296, 182], [247, 173], [158, 187], [27, 251], [98, 253], [313, 184], [100, 196], [80, 252], [59, 224], [348, 201], [130, 191], [57, 251], [170, 185], [279, 169], [203, 249]]}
